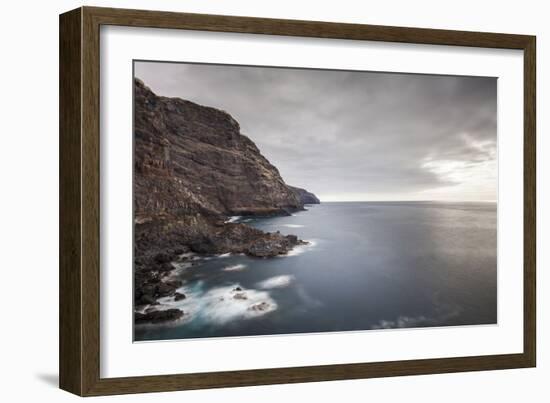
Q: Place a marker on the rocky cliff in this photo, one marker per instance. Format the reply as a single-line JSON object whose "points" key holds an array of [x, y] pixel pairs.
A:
{"points": [[193, 168], [193, 158], [304, 196]]}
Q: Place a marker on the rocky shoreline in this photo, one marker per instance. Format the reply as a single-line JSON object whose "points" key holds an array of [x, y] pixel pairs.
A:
{"points": [[193, 170], [164, 252]]}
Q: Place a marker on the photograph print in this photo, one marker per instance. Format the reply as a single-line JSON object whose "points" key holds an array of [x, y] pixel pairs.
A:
{"points": [[275, 200]]}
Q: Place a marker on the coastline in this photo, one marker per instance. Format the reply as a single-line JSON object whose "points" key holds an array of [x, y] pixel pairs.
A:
{"points": [[193, 170], [154, 271], [348, 277]]}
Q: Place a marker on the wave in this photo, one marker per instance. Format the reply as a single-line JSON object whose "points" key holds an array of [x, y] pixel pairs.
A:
{"points": [[444, 313], [292, 225], [235, 267], [221, 304], [298, 250], [276, 282], [232, 219], [402, 322], [181, 266]]}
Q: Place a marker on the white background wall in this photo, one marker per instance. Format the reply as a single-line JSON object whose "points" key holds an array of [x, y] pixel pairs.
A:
{"points": [[29, 198]]}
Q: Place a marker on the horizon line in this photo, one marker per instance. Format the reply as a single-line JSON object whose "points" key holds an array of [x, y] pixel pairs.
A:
{"points": [[405, 200]]}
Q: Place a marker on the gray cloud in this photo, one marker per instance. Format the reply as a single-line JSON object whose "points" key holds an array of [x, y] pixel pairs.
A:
{"points": [[342, 133]]}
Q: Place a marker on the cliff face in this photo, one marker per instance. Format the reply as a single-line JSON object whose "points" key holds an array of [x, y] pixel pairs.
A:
{"points": [[191, 158], [192, 169], [304, 196]]}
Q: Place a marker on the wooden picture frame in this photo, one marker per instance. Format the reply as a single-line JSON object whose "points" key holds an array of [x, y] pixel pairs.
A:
{"points": [[79, 346]]}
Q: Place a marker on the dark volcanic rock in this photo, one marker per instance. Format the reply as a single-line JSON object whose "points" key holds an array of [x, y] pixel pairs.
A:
{"points": [[259, 307], [193, 168], [272, 246], [194, 159], [161, 258], [305, 196], [157, 316], [179, 296], [146, 299]]}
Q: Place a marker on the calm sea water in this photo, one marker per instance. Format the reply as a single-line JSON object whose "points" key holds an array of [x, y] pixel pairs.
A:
{"points": [[369, 265]]}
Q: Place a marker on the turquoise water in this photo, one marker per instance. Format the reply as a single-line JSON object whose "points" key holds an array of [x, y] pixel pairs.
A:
{"points": [[369, 265]]}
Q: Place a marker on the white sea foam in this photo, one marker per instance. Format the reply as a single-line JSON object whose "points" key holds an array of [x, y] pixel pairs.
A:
{"points": [[221, 304], [143, 308], [307, 300], [276, 282], [235, 267], [299, 249], [402, 322], [181, 266], [232, 219], [292, 225], [225, 255]]}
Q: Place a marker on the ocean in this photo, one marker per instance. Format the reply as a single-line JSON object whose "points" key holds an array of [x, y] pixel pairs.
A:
{"points": [[367, 266]]}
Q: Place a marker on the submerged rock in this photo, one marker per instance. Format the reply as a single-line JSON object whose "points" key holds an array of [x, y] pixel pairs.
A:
{"points": [[179, 296], [260, 307], [240, 295]]}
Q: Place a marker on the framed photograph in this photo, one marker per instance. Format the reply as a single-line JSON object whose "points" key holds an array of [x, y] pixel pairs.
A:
{"points": [[249, 201]]}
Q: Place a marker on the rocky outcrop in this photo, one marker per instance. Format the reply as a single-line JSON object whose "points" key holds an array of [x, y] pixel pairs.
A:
{"points": [[178, 296], [194, 159], [304, 196], [193, 168]]}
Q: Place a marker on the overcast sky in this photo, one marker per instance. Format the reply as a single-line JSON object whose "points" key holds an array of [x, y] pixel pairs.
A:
{"points": [[354, 135]]}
